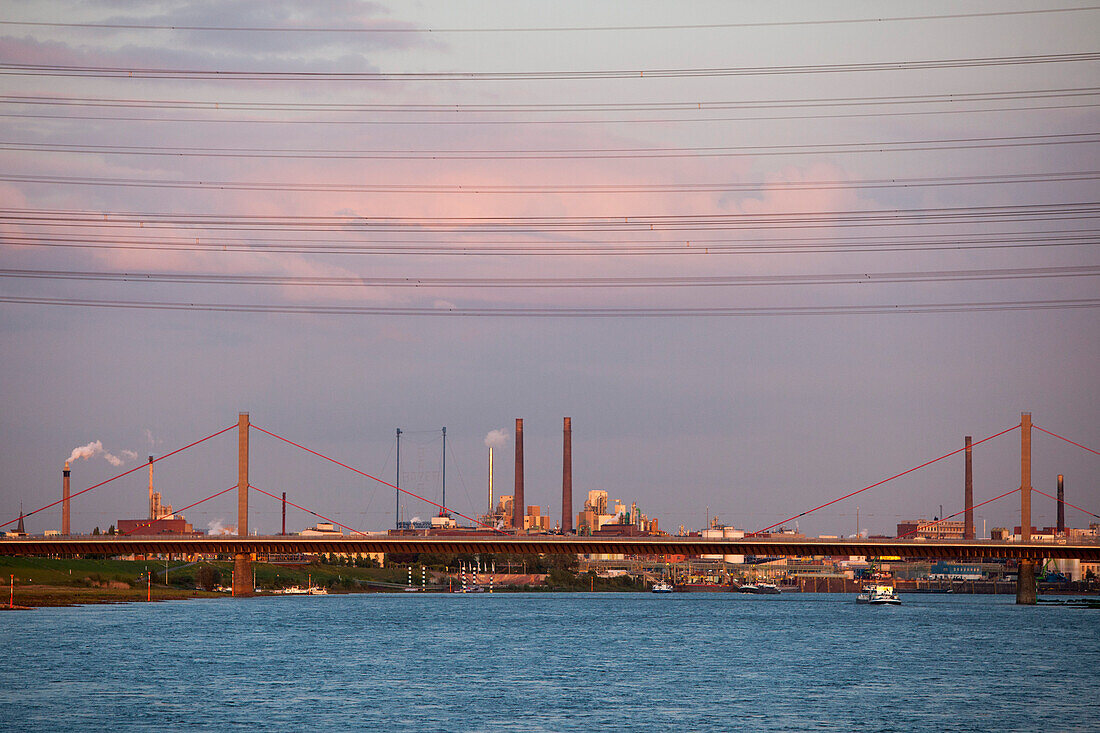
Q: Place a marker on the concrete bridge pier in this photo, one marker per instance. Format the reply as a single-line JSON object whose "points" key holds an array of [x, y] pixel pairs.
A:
{"points": [[242, 561], [242, 575], [1026, 594]]}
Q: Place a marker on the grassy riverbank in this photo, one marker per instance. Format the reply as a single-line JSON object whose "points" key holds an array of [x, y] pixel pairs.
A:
{"points": [[36, 581], [76, 581]]}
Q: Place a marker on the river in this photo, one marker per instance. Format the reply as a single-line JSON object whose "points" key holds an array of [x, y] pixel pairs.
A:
{"points": [[553, 662]]}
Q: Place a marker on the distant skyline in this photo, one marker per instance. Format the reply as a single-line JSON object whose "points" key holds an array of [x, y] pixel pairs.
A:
{"points": [[812, 248]]}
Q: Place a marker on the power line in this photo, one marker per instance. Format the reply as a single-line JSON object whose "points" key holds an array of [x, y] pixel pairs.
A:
{"points": [[512, 225], [535, 29], [586, 247], [698, 105], [1018, 178], [119, 72], [937, 276], [975, 143], [604, 121], [643, 312]]}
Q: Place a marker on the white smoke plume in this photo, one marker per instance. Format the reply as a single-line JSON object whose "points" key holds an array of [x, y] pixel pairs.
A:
{"points": [[496, 439], [95, 448], [215, 527], [86, 451]]}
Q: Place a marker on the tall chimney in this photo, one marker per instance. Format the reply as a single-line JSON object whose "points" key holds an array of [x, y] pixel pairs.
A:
{"points": [[518, 508], [567, 477], [1061, 505], [489, 511], [284, 514], [65, 500], [968, 493]]}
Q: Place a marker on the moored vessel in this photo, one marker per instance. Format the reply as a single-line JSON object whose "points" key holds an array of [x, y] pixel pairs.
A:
{"points": [[879, 595], [704, 588], [759, 589], [293, 590]]}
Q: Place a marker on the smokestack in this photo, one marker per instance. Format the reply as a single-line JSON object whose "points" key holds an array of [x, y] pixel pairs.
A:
{"points": [[490, 510], [493, 439], [567, 477], [152, 509], [518, 507], [968, 493], [65, 500], [284, 514], [1061, 505]]}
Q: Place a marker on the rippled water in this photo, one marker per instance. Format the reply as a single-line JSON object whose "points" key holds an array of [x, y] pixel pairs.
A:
{"points": [[553, 662]]}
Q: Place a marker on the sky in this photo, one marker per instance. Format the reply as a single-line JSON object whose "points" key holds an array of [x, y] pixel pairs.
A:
{"points": [[763, 255]]}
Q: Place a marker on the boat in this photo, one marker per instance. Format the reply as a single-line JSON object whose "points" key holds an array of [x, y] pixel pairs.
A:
{"points": [[878, 595], [309, 590], [293, 590], [663, 586], [760, 589], [703, 588]]}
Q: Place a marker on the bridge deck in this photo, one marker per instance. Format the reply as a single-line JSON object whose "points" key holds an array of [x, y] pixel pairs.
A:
{"points": [[983, 549]]}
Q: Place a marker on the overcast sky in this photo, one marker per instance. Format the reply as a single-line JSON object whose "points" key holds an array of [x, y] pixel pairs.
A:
{"points": [[745, 154]]}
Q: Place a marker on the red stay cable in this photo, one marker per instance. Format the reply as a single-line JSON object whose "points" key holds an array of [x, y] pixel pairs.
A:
{"points": [[126, 473], [1086, 511], [362, 473], [310, 511], [1056, 435], [885, 480], [212, 496], [944, 519]]}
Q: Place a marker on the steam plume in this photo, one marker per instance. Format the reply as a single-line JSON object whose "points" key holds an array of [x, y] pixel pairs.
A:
{"points": [[496, 438], [95, 448]]}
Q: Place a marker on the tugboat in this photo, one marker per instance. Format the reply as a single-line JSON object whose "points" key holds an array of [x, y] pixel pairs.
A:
{"points": [[879, 595], [662, 586]]}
